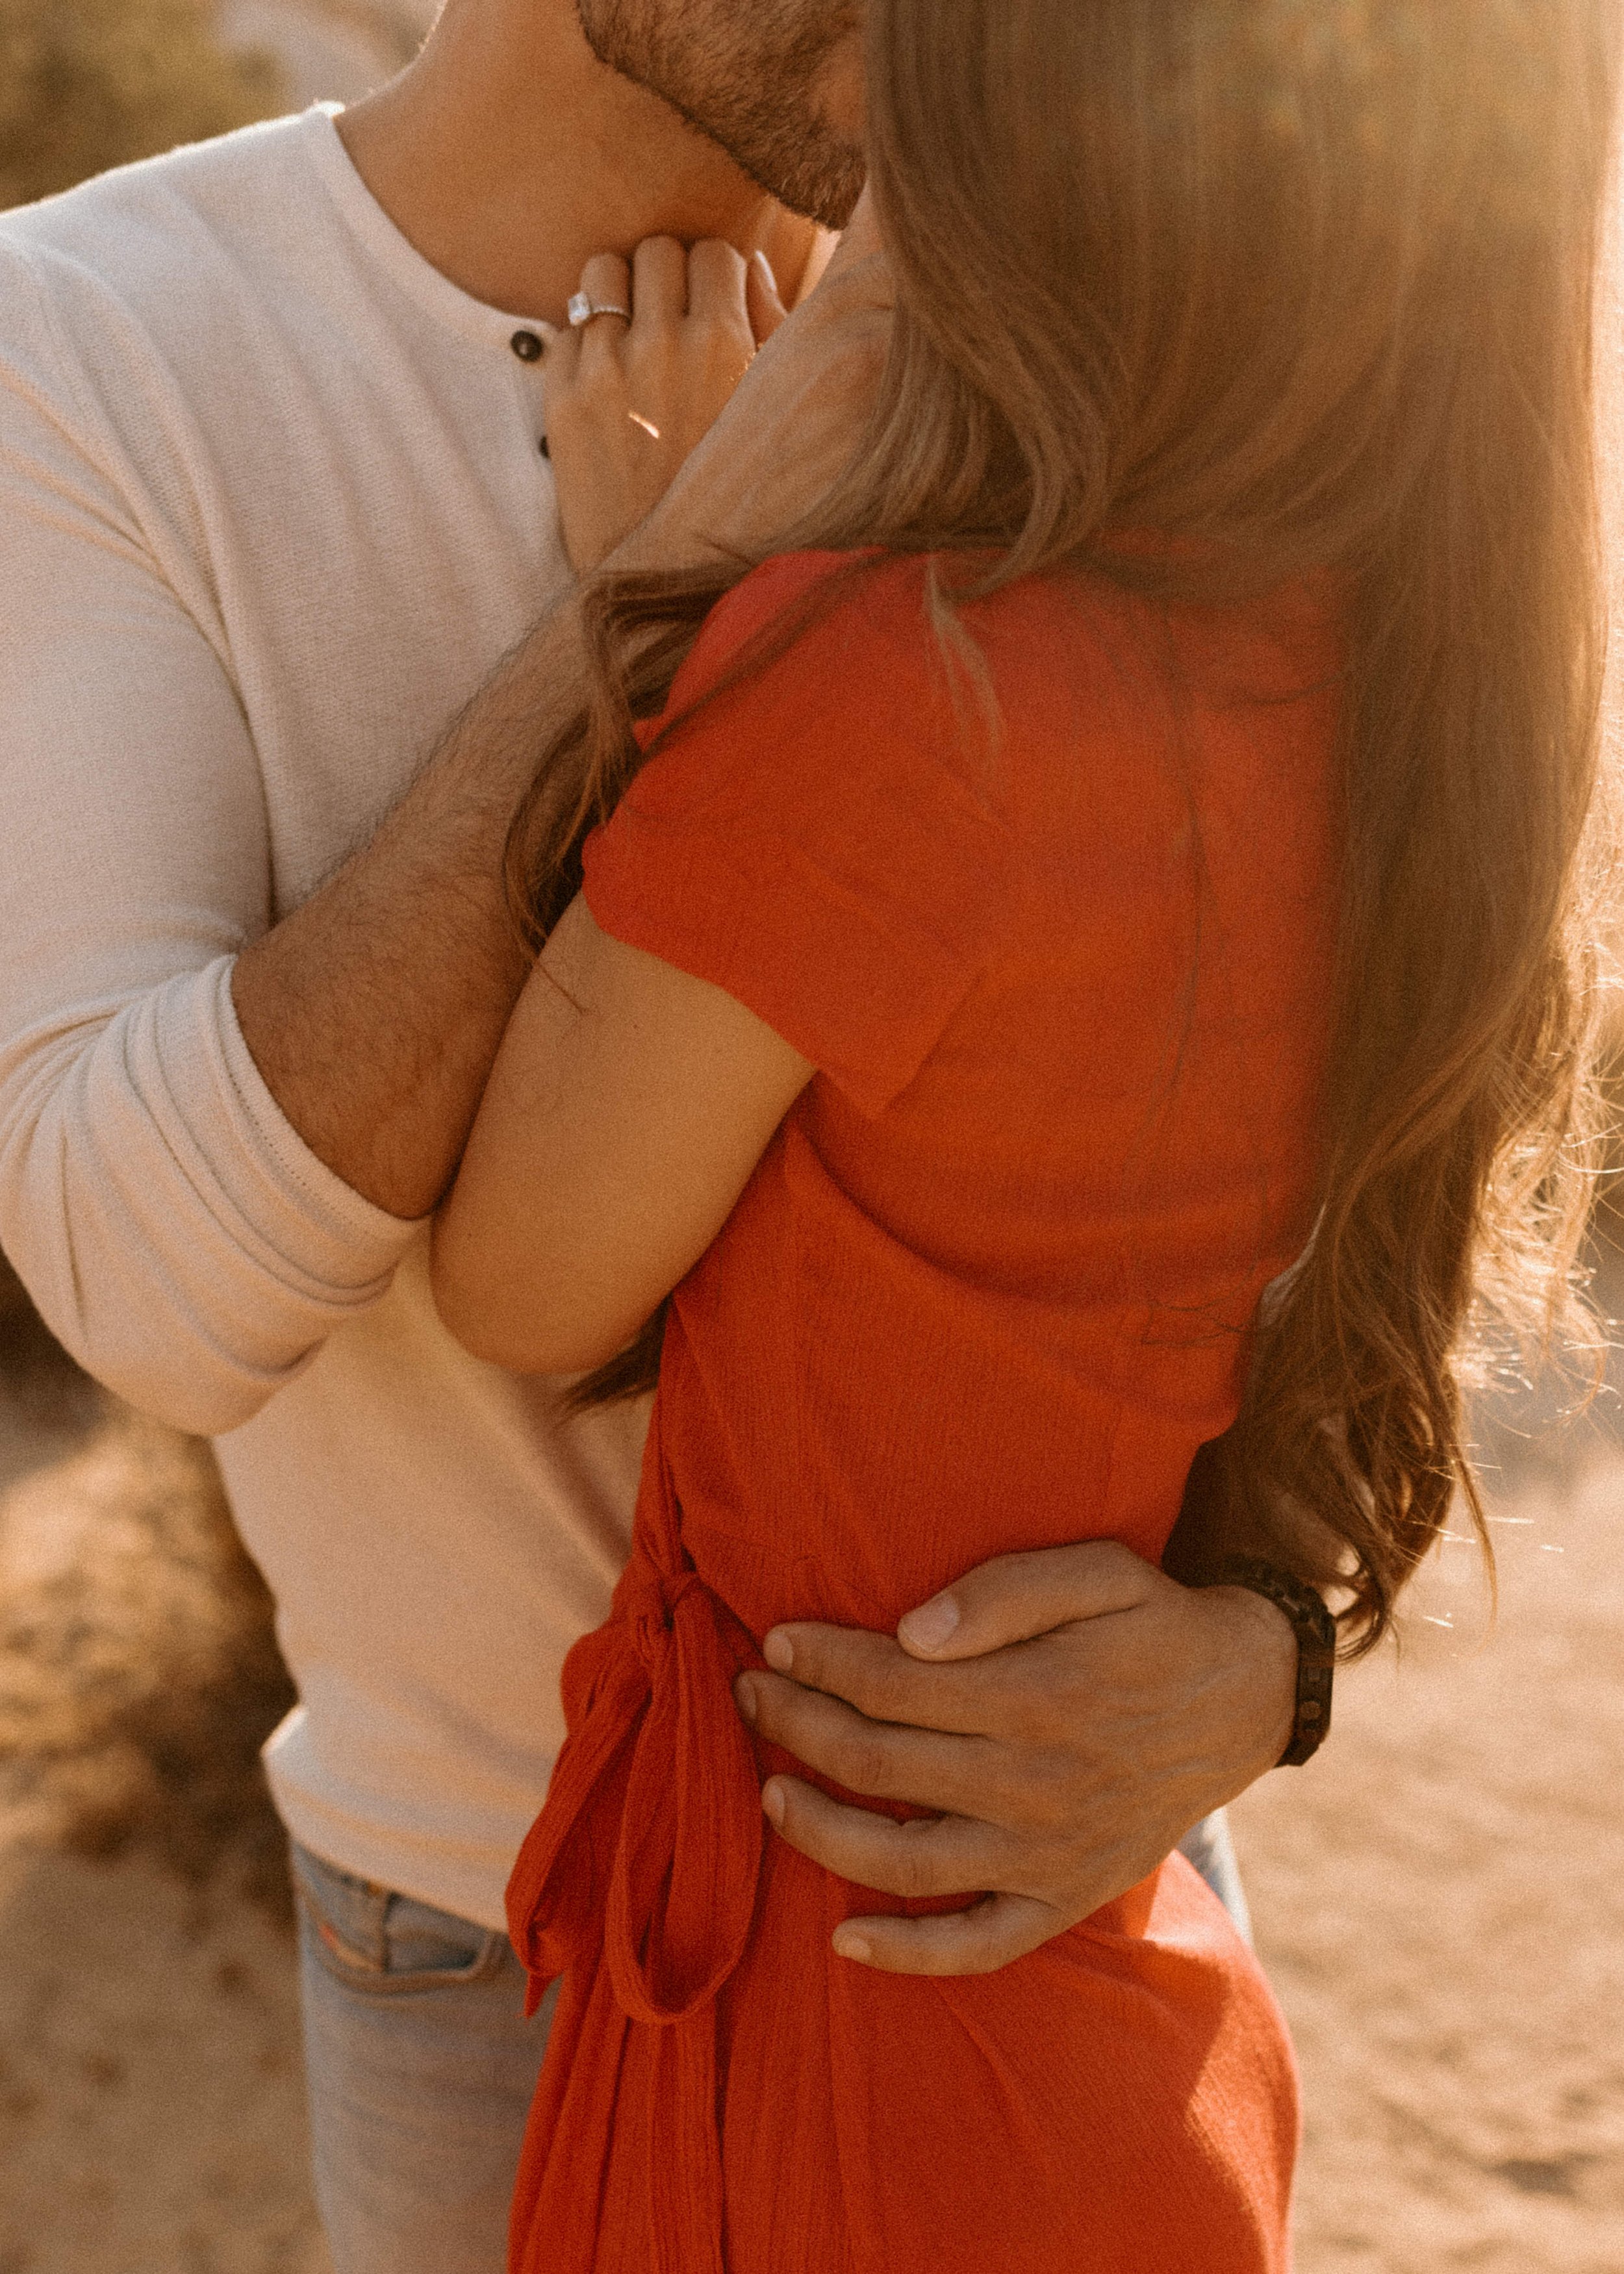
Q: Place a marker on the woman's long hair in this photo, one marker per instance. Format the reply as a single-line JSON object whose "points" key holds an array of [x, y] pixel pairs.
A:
{"points": [[1304, 285]]}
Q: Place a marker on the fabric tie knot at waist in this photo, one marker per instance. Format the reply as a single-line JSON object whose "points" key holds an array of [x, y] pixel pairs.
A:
{"points": [[657, 1782], [651, 1837], [653, 1601], [658, 1786]]}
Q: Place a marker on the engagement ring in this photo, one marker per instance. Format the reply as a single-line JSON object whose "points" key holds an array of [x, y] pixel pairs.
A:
{"points": [[583, 308]]}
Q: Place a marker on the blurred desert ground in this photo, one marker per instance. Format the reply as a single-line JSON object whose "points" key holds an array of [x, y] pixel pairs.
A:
{"points": [[1439, 1898]]}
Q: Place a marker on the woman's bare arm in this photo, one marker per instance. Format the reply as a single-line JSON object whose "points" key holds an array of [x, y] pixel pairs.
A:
{"points": [[627, 1107]]}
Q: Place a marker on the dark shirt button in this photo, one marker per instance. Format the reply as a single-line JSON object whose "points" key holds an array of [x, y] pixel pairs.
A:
{"points": [[527, 346]]}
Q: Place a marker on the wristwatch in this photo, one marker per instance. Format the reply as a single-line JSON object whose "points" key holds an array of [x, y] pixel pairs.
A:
{"points": [[1316, 1633]]}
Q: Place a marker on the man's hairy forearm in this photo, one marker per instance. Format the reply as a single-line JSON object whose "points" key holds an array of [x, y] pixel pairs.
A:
{"points": [[374, 1011]]}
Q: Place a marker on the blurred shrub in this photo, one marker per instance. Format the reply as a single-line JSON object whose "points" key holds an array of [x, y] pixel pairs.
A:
{"points": [[139, 1669], [41, 1388], [89, 84]]}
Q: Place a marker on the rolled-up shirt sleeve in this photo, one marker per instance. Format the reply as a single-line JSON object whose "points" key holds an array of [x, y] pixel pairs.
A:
{"points": [[177, 1234]]}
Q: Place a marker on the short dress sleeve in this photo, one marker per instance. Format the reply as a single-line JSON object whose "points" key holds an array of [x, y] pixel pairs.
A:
{"points": [[824, 836]]}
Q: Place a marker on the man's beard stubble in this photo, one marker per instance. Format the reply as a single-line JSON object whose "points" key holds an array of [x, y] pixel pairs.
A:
{"points": [[746, 73]]}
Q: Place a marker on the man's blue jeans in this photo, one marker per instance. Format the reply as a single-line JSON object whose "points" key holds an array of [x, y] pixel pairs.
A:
{"points": [[421, 2068]]}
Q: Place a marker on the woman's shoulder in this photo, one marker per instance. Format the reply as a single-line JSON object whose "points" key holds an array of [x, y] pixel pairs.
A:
{"points": [[913, 644], [878, 641], [797, 610]]}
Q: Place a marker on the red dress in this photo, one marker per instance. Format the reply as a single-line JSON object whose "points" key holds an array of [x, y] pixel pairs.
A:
{"points": [[1067, 992]]}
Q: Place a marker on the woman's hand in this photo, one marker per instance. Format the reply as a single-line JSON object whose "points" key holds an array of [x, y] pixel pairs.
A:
{"points": [[627, 400], [793, 428]]}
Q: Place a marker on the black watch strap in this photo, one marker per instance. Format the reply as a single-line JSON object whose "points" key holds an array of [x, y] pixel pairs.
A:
{"points": [[1316, 1633]]}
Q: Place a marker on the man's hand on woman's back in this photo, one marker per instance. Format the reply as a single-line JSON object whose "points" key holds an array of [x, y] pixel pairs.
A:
{"points": [[1069, 1714]]}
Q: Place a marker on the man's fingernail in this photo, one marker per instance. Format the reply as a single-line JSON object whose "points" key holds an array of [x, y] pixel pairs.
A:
{"points": [[779, 1652], [772, 1804], [852, 1945], [932, 1626], [767, 268], [744, 1697]]}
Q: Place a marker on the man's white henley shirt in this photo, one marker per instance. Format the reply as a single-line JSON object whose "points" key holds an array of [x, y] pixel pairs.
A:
{"points": [[272, 506]]}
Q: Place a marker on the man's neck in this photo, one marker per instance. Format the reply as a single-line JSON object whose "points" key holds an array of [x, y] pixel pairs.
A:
{"points": [[508, 155]]}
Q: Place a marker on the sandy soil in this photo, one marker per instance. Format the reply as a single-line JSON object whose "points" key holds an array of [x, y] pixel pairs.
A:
{"points": [[152, 2116], [1439, 1901], [1439, 1898]]}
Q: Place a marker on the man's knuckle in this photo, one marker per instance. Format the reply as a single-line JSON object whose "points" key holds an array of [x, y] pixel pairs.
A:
{"points": [[861, 1763], [824, 1663], [1074, 1879], [875, 1697], [782, 1712], [916, 1870], [1047, 1802], [1034, 1715]]}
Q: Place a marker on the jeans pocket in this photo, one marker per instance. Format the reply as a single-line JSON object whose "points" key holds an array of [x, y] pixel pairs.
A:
{"points": [[385, 1944]]}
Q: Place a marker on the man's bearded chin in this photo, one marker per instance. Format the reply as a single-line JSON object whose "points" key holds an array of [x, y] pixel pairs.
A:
{"points": [[718, 63]]}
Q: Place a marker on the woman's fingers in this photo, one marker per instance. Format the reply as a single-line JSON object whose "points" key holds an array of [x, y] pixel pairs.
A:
{"points": [[722, 343], [715, 282], [606, 281], [762, 304], [659, 282], [628, 397]]}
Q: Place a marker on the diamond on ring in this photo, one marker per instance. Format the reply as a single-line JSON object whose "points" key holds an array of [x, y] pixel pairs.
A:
{"points": [[583, 308]]}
